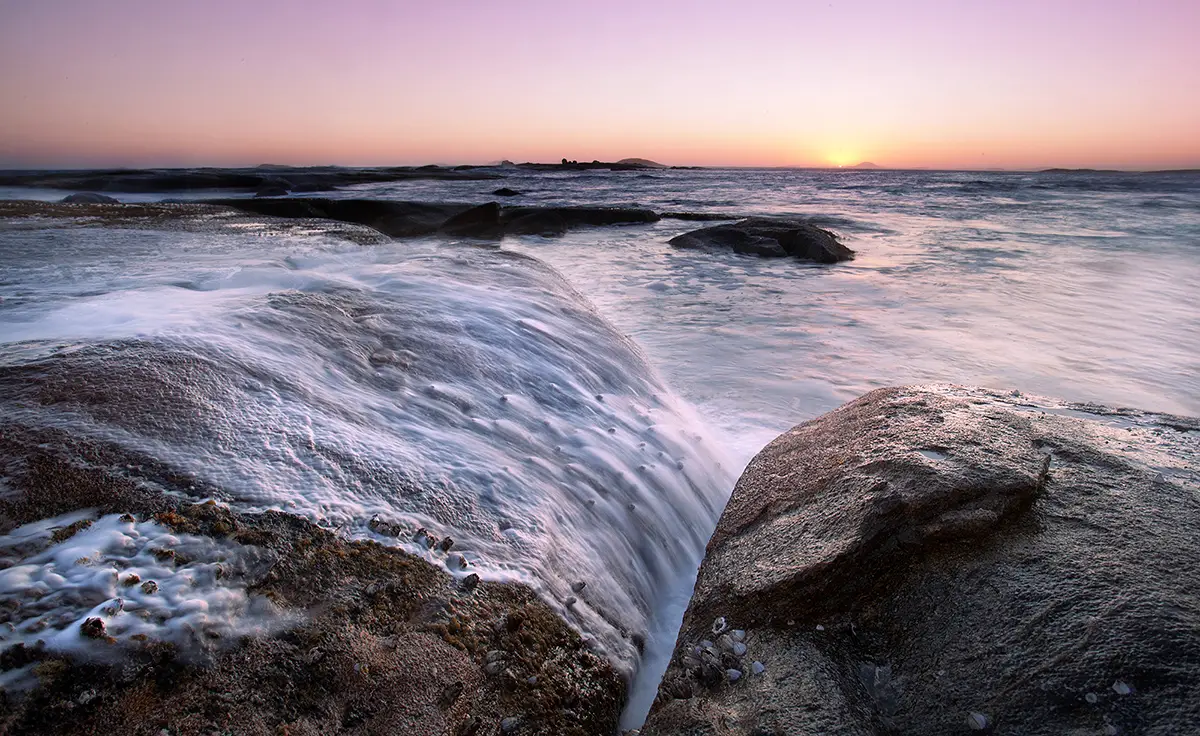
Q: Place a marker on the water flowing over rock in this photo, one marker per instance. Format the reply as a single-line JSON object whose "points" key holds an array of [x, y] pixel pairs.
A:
{"points": [[769, 237], [940, 559], [417, 455]]}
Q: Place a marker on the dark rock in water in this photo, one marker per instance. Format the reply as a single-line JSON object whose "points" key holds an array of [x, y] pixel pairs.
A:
{"points": [[545, 223], [478, 222], [506, 192], [557, 220], [698, 216], [311, 187], [88, 198], [769, 237], [934, 560], [271, 191], [407, 219], [398, 219]]}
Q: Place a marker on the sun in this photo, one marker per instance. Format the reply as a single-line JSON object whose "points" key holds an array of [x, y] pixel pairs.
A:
{"points": [[842, 157]]}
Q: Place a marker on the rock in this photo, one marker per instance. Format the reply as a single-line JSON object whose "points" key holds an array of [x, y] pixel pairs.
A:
{"points": [[771, 238], [397, 219], [976, 563], [93, 628], [410, 219], [546, 223], [506, 192], [478, 222], [271, 191], [552, 221], [88, 198]]}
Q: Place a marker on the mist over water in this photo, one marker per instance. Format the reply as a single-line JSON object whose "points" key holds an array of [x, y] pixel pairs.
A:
{"points": [[580, 416], [1080, 285]]}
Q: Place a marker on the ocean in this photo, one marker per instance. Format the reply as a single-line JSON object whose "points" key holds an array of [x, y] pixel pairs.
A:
{"points": [[574, 411]]}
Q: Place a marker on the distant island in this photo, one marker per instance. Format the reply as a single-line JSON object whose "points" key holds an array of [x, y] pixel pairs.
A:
{"points": [[642, 162], [864, 165]]}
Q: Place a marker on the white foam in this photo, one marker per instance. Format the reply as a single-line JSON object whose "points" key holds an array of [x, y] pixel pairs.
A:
{"points": [[143, 581]]}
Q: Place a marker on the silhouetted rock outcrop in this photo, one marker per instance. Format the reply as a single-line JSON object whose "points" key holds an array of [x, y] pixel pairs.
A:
{"points": [[769, 237], [506, 192], [932, 560], [88, 198]]}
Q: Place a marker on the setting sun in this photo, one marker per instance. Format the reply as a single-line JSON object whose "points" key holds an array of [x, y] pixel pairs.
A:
{"points": [[843, 157]]}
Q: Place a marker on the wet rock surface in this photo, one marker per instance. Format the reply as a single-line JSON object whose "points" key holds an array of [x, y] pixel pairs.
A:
{"points": [[937, 560], [380, 640], [768, 237]]}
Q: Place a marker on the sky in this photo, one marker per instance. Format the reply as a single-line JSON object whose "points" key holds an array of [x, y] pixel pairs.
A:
{"points": [[903, 83]]}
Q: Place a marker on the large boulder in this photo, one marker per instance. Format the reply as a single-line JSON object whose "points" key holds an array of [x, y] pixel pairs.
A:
{"points": [[769, 237], [936, 560]]}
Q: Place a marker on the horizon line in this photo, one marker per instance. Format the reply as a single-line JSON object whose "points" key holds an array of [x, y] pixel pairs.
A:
{"points": [[783, 167]]}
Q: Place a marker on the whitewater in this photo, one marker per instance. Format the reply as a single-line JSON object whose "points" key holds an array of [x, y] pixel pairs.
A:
{"points": [[572, 412]]}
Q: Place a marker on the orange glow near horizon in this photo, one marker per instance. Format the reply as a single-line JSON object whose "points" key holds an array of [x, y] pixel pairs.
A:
{"points": [[934, 84]]}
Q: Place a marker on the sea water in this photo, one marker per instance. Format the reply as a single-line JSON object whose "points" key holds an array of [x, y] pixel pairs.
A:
{"points": [[576, 410]]}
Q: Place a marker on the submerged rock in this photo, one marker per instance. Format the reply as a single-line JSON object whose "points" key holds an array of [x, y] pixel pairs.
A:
{"points": [[977, 565], [769, 237], [506, 192]]}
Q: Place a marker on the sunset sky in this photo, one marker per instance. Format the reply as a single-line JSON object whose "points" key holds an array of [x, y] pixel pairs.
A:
{"points": [[932, 83]]}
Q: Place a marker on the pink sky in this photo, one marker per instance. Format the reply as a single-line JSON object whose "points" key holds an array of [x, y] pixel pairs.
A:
{"points": [[937, 83]]}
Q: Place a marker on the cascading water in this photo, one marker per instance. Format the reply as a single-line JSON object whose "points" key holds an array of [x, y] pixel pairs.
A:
{"points": [[380, 389]]}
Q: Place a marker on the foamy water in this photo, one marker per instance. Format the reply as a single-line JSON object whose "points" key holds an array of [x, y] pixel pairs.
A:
{"points": [[477, 394], [381, 390]]}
